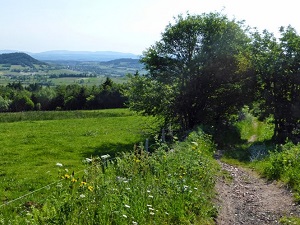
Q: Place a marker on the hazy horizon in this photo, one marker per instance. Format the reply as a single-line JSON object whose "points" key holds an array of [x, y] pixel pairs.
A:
{"points": [[129, 26]]}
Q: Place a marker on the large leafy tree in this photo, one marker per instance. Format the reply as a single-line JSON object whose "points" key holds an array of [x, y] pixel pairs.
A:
{"points": [[277, 67], [198, 71]]}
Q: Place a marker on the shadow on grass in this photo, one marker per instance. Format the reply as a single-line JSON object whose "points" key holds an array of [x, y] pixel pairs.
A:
{"points": [[246, 152], [109, 148]]}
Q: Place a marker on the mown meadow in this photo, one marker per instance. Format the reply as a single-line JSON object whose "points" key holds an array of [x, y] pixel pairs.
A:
{"points": [[81, 168], [33, 142]]}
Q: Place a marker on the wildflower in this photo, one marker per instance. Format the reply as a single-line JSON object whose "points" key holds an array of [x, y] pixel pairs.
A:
{"points": [[127, 206], [152, 213], [149, 205], [82, 196], [74, 180], [166, 213], [150, 196], [122, 179], [134, 223], [88, 160], [124, 216], [127, 188], [59, 164], [151, 209], [194, 143], [90, 188], [67, 176], [195, 188], [105, 156], [148, 191], [82, 183]]}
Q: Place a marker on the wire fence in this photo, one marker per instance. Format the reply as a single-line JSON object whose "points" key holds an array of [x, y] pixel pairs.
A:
{"points": [[44, 187], [104, 158]]}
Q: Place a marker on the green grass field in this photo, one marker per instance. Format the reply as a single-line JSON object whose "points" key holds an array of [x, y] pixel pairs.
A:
{"points": [[33, 142], [172, 185]]}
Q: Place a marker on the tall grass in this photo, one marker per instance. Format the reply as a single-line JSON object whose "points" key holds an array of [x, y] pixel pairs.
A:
{"points": [[283, 164], [170, 186]]}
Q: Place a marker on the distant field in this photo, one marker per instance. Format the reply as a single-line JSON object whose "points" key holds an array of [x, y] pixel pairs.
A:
{"points": [[69, 72], [64, 80], [32, 143]]}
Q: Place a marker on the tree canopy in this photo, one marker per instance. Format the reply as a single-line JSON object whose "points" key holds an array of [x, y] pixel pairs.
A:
{"points": [[277, 69], [198, 71]]}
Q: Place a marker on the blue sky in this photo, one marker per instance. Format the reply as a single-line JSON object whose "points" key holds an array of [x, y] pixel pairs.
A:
{"points": [[121, 25]]}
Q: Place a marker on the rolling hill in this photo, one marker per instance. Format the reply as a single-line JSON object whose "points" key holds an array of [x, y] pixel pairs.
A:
{"points": [[19, 58]]}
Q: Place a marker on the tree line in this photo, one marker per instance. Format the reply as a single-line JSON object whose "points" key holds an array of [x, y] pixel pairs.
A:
{"points": [[207, 67], [14, 97]]}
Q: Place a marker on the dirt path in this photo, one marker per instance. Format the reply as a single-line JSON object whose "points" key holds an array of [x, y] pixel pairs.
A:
{"points": [[244, 198]]}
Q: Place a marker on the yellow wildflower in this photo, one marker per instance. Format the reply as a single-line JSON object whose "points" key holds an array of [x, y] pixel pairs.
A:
{"points": [[82, 183], [90, 188]]}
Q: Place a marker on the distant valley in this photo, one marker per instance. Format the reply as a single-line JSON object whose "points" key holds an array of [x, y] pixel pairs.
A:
{"points": [[77, 55], [65, 67]]}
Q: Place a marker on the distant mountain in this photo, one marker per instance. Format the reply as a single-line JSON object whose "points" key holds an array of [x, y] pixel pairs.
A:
{"points": [[19, 58], [81, 55], [60, 55]]}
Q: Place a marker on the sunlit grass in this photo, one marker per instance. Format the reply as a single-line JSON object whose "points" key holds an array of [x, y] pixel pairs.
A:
{"points": [[33, 144], [170, 186]]}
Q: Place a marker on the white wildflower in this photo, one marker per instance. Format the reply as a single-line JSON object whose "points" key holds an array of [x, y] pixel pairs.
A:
{"points": [[166, 213], [59, 164], [82, 196], [134, 223], [195, 188], [148, 191], [124, 216], [150, 196], [127, 188], [127, 206], [105, 156], [152, 213], [122, 179], [149, 205], [88, 160], [194, 143]]}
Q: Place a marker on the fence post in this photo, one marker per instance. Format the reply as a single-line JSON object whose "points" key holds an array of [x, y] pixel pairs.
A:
{"points": [[147, 145]]}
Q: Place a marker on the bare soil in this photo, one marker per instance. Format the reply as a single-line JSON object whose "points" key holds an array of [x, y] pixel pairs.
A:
{"points": [[244, 198]]}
